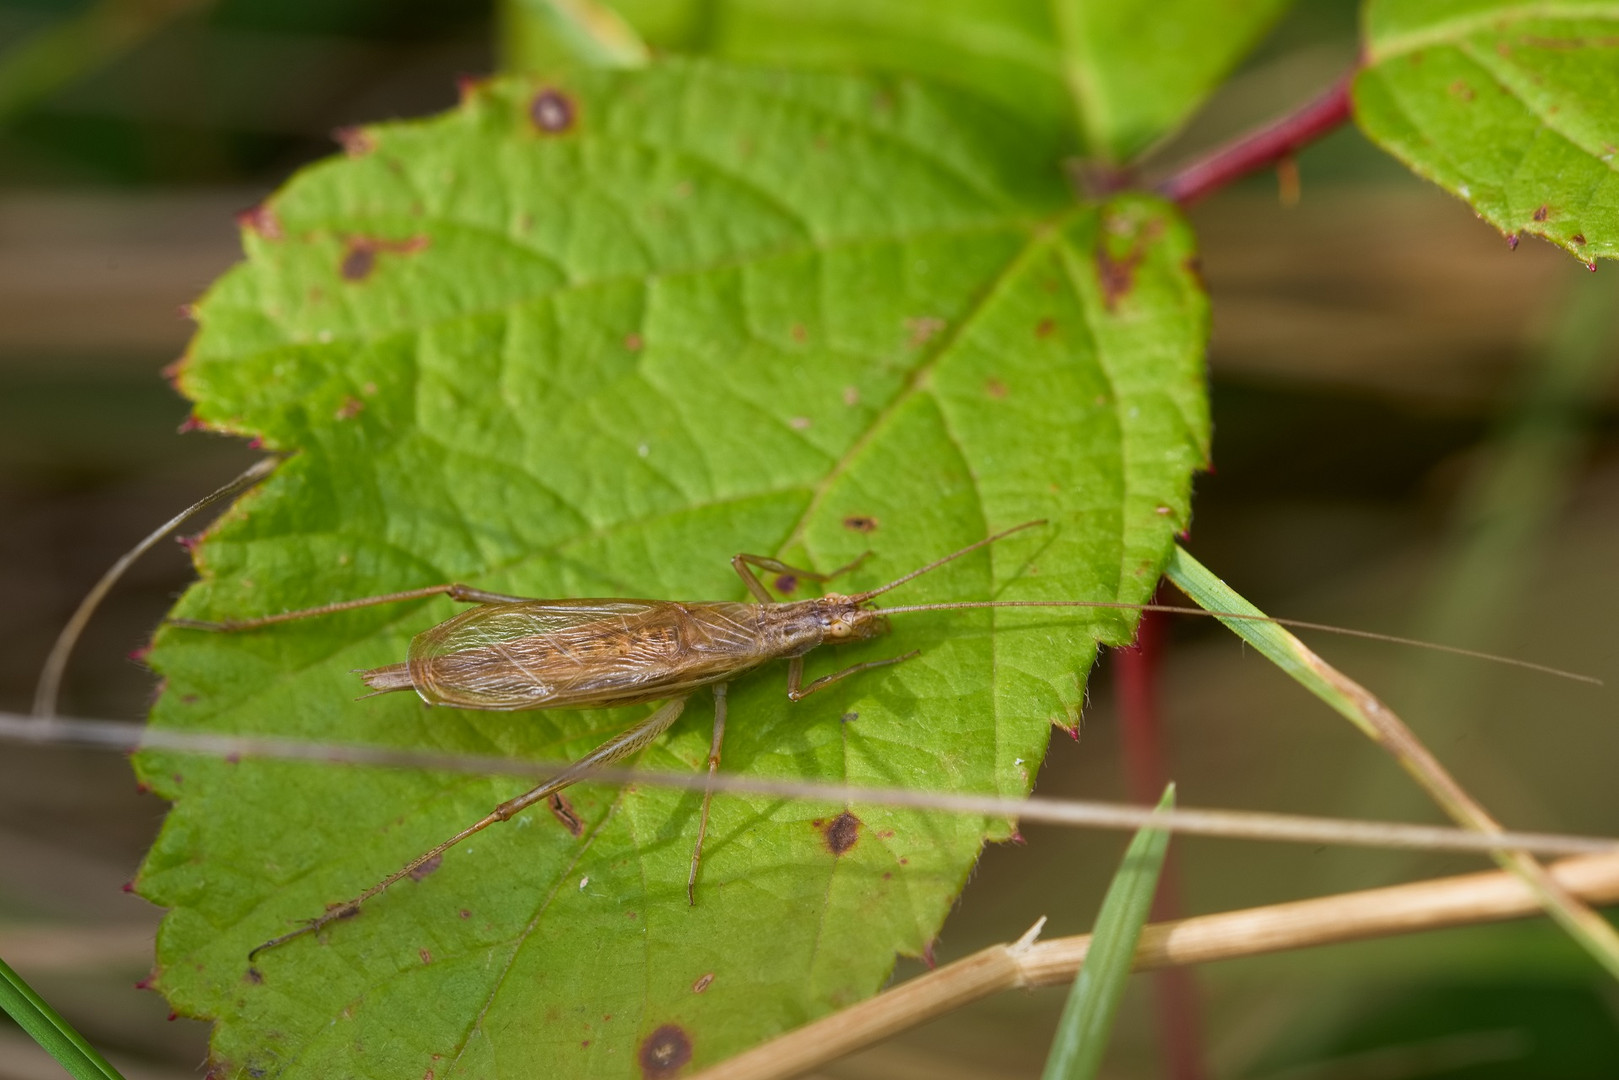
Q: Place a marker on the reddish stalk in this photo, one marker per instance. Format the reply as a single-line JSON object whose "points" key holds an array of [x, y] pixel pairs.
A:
{"points": [[1259, 149], [1141, 737]]}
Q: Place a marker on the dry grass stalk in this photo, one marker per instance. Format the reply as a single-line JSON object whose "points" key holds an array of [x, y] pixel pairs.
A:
{"points": [[1427, 905]]}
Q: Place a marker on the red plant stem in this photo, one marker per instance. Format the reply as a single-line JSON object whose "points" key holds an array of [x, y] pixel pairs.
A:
{"points": [[1262, 147], [1141, 738]]}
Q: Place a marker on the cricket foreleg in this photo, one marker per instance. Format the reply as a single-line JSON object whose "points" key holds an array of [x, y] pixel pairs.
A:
{"points": [[750, 578], [614, 749], [464, 593], [795, 674], [708, 789]]}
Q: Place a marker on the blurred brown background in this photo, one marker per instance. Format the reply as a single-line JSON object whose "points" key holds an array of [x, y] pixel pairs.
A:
{"points": [[1415, 432]]}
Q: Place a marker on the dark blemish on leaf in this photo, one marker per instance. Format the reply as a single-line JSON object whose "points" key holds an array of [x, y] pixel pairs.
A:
{"points": [[427, 957], [887, 874], [1194, 270], [849, 717], [552, 111], [786, 583], [664, 1052], [1116, 276], [464, 913], [841, 833], [1578, 238], [904, 861], [633, 342], [563, 811], [254, 976], [799, 333], [629, 914], [1045, 328], [358, 263], [1542, 213], [702, 983], [233, 759], [860, 523], [922, 329], [427, 868], [350, 408], [356, 141], [994, 387], [262, 220], [585, 1045], [1460, 89]]}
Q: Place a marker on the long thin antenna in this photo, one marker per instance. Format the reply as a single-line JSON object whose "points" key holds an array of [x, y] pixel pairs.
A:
{"points": [[50, 676], [1174, 609], [936, 563]]}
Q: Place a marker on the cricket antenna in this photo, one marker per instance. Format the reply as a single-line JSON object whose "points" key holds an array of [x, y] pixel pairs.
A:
{"points": [[936, 563], [50, 676], [1301, 624]]}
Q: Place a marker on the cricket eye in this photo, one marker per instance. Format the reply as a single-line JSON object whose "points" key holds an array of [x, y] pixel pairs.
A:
{"points": [[838, 629]]}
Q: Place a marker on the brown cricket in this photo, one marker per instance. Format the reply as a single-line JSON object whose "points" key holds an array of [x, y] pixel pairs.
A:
{"points": [[513, 653]]}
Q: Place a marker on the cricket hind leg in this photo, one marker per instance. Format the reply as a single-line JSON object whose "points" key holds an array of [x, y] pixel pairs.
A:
{"points": [[796, 691], [750, 578], [464, 593], [708, 789], [614, 749]]}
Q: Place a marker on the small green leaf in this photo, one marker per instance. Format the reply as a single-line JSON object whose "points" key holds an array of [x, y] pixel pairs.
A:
{"points": [[1111, 77], [1511, 104], [47, 1028], [591, 338], [1087, 1018]]}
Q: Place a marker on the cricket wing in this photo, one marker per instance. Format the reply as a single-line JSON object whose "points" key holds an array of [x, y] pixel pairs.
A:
{"points": [[539, 654]]}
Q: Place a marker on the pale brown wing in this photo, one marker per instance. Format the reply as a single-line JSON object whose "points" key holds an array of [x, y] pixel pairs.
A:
{"points": [[541, 654]]}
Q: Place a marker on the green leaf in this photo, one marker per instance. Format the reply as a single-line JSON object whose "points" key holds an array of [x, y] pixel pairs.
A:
{"points": [[553, 35], [47, 1028], [714, 311], [1087, 1018], [1112, 77], [1514, 106]]}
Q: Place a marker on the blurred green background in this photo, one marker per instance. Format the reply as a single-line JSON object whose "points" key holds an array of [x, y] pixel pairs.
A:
{"points": [[1415, 433]]}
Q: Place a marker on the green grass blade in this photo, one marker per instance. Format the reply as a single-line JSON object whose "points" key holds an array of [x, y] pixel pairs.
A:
{"points": [[46, 1027], [1087, 1019], [1380, 724]]}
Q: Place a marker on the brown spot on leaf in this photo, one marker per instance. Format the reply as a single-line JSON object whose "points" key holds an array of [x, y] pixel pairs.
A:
{"points": [[860, 524], [253, 976], [464, 913], [1045, 328], [1461, 90], [994, 387], [664, 1052], [841, 833], [358, 263], [703, 982], [798, 332], [553, 112], [633, 342], [1116, 276], [920, 330], [1578, 238], [356, 141], [260, 219], [562, 810], [1543, 213], [427, 957], [427, 868], [350, 408]]}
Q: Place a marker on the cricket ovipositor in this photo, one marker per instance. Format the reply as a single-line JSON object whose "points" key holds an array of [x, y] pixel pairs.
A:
{"points": [[515, 653]]}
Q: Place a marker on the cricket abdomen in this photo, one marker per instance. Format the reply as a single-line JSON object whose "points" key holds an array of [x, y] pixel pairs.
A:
{"points": [[545, 654]]}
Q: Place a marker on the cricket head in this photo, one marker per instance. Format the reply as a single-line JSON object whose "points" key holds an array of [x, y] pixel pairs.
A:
{"points": [[843, 619]]}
